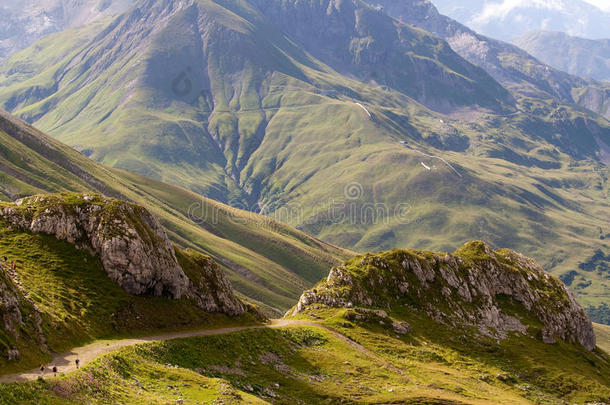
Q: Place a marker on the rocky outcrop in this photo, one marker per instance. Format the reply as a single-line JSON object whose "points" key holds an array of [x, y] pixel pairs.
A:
{"points": [[499, 292], [210, 288], [130, 243]]}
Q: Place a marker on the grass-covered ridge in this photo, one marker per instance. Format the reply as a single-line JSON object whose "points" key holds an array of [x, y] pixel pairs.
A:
{"points": [[268, 262]]}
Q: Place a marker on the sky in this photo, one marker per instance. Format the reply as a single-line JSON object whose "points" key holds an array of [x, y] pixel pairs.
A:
{"points": [[603, 4]]}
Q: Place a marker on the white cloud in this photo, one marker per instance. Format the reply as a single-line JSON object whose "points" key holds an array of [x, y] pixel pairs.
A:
{"points": [[603, 4], [502, 8]]}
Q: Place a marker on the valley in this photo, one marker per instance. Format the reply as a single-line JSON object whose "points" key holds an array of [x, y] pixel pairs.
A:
{"points": [[252, 122]]}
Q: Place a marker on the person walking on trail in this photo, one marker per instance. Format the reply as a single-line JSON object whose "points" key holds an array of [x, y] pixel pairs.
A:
{"points": [[41, 370], [55, 371], [77, 361]]}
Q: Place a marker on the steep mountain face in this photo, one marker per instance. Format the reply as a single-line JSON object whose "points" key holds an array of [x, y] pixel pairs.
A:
{"points": [[130, 242], [474, 287], [507, 20], [268, 262], [24, 22], [577, 56], [507, 63], [283, 116], [357, 40]]}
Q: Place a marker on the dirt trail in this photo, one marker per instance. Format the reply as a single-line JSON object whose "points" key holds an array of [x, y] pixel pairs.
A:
{"points": [[65, 362]]}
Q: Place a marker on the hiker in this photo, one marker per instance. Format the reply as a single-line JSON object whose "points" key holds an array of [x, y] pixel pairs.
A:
{"points": [[77, 361], [55, 371], [42, 370], [14, 266]]}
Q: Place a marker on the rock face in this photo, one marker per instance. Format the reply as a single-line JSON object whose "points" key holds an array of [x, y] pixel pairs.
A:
{"points": [[130, 242], [496, 291]]}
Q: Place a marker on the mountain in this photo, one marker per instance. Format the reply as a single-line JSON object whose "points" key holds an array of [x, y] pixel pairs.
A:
{"points": [[507, 20], [577, 56], [268, 262], [517, 70], [24, 22], [410, 327], [335, 118]]}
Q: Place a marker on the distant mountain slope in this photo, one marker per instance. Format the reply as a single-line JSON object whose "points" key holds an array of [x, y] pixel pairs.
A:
{"points": [[507, 20], [514, 68], [268, 262], [23, 22], [577, 56], [245, 103]]}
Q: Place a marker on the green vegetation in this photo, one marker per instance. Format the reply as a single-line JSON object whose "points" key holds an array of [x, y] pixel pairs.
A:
{"points": [[431, 365], [600, 314], [541, 373]]}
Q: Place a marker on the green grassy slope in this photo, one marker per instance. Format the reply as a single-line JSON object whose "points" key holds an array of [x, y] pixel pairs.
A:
{"points": [[216, 100], [268, 262], [514, 68], [310, 365]]}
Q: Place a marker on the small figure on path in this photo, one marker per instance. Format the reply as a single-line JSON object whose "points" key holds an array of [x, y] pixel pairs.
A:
{"points": [[55, 371], [42, 370], [77, 361]]}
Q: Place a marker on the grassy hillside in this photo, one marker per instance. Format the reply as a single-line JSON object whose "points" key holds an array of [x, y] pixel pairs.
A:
{"points": [[432, 365], [268, 262]]}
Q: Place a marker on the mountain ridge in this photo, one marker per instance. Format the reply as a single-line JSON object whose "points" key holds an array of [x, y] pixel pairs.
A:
{"points": [[471, 284], [575, 55]]}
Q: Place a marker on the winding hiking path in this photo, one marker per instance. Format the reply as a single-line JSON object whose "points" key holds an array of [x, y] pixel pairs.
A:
{"points": [[65, 362]]}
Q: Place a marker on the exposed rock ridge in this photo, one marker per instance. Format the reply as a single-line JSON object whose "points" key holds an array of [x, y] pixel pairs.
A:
{"points": [[497, 291], [131, 243]]}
